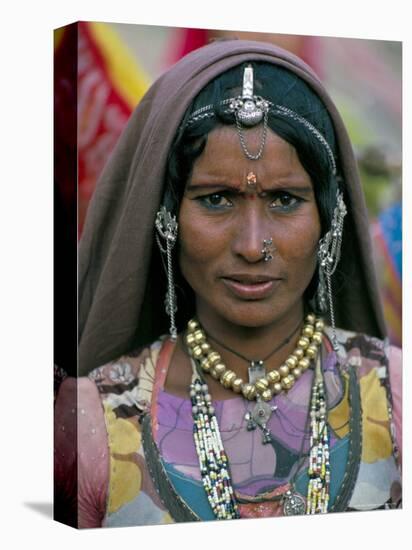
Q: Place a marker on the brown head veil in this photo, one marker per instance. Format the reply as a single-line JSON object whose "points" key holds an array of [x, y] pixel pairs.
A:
{"points": [[120, 302]]}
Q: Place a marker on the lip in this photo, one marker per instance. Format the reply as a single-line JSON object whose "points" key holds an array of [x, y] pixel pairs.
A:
{"points": [[251, 287]]}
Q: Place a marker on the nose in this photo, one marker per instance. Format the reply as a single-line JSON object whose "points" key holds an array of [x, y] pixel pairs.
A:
{"points": [[251, 231]]}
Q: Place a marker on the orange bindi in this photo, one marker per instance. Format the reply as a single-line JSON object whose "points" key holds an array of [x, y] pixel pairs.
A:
{"points": [[251, 179]]}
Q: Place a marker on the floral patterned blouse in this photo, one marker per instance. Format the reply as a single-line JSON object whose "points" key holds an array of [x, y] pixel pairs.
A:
{"points": [[137, 463]]}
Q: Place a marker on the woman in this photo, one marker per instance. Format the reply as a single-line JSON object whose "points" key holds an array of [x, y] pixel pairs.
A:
{"points": [[234, 191]]}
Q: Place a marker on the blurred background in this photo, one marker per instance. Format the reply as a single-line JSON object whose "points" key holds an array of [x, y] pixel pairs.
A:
{"points": [[118, 62]]}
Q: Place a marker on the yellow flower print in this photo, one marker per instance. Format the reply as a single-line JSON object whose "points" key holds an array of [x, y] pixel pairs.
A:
{"points": [[338, 417], [125, 475], [376, 444]]}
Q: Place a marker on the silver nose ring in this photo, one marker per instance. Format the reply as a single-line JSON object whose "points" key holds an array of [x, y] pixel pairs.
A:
{"points": [[268, 250]]}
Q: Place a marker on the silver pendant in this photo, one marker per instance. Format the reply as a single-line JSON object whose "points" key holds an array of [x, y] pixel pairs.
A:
{"points": [[249, 108], [293, 504], [250, 114], [261, 412], [255, 371], [259, 417]]}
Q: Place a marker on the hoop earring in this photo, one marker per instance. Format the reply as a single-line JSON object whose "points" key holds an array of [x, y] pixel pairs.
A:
{"points": [[329, 255], [167, 226]]}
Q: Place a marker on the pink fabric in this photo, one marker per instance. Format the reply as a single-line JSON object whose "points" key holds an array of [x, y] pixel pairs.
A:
{"points": [[395, 375], [162, 367], [93, 455], [65, 459]]}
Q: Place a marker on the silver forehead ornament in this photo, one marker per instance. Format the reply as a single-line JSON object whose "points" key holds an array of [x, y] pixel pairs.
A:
{"points": [[250, 110]]}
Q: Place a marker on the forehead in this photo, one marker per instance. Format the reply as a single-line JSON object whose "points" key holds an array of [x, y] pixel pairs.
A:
{"points": [[223, 157]]}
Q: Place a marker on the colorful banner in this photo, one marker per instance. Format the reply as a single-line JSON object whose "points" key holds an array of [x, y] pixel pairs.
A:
{"points": [[109, 85]]}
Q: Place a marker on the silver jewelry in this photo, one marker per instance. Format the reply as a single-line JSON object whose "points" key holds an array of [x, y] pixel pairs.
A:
{"points": [[167, 226], [250, 110], [261, 413], [321, 292], [256, 370], [293, 504], [259, 417], [213, 461], [280, 109], [329, 255], [268, 249]]}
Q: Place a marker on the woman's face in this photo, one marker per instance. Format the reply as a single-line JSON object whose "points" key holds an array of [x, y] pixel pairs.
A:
{"points": [[223, 222]]}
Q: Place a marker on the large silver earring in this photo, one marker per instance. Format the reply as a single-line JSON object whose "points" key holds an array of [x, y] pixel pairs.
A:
{"points": [[321, 297], [329, 255], [166, 226]]}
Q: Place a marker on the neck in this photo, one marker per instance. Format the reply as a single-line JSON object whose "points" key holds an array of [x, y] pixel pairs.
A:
{"points": [[254, 343]]}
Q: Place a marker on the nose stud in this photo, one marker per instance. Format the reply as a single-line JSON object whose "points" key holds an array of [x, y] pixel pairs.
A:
{"points": [[268, 249]]}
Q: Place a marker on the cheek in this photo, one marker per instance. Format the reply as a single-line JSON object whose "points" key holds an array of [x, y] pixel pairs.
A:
{"points": [[198, 243], [298, 243]]}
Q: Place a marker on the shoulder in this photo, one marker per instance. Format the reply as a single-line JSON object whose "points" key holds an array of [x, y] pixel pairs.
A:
{"points": [[378, 368], [356, 344], [126, 382], [127, 368], [97, 415], [125, 387], [128, 365], [118, 385], [366, 353]]}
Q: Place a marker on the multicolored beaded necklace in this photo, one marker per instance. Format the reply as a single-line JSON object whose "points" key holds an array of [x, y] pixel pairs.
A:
{"points": [[213, 461]]}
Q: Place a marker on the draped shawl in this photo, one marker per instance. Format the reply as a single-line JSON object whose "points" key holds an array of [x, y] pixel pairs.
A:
{"points": [[120, 296]]}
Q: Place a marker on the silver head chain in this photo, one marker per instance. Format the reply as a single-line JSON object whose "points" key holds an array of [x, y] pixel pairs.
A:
{"points": [[250, 110]]}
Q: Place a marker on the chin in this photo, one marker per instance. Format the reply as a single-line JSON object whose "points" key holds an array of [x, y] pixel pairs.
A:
{"points": [[253, 314]]}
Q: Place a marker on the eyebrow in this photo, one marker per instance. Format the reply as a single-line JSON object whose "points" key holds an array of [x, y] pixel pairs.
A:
{"points": [[224, 187], [200, 186]]}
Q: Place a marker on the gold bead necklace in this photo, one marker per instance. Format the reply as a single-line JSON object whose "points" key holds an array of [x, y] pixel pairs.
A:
{"points": [[275, 381]]}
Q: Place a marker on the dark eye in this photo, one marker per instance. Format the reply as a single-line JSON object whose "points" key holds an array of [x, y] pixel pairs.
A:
{"points": [[284, 201], [215, 200]]}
